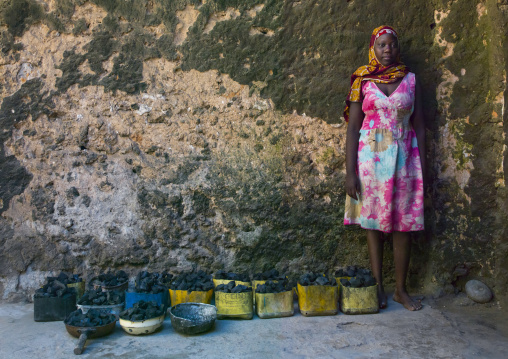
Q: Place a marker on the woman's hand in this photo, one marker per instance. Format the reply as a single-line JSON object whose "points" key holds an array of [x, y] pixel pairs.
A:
{"points": [[352, 185]]}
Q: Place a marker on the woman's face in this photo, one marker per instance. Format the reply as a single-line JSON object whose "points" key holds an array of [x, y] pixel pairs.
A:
{"points": [[386, 49]]}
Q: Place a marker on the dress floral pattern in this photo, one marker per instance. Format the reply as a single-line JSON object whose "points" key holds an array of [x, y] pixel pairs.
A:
{"points": [[389, 166]]}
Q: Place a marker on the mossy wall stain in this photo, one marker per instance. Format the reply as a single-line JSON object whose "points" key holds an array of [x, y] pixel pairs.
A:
{"points": [[471, 217], [501, 269], [302, 75], [29, 101], [298, 54]]}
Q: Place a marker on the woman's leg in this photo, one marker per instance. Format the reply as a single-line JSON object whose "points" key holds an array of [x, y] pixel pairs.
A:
{"points": [[401, 253], [375, 244]]}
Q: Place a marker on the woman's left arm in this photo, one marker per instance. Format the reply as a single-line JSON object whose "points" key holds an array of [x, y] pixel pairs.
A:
{"points": [[418, 120]]}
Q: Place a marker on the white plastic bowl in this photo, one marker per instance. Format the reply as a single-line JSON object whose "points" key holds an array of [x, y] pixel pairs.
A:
{"points": [[146, 326]]}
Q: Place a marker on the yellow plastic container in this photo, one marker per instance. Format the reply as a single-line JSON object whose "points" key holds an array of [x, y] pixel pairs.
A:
{"points": [[359, 300], [217, 282], [318, 300], [339, 278], [234, 305], [80, 288], [275, 305], [183, 296], [338, 282], [255, 284]]}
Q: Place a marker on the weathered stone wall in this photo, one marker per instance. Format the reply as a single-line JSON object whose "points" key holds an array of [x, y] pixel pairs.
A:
{"points": [[181, 134]]}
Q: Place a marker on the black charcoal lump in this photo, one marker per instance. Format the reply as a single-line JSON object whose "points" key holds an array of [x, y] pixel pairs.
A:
{"points": [[360, 281], [98, 297], [93, 318], [142, 310], [166, 278], [56, 287], [272, 274], [352, 271], [66, 278], [222, 274], [191, 282], [316, 279], [154, 283], [273, 287], [111, 279], [231, 287]]}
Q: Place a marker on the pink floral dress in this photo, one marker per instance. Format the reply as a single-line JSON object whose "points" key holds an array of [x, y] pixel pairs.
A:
{"points": [[389, 166]]}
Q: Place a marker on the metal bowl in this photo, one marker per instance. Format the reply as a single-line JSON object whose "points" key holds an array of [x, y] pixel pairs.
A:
{"points": [[111, 308], [146, 326], [95, 283], [85, 333], [192, 318], [95, 332]]}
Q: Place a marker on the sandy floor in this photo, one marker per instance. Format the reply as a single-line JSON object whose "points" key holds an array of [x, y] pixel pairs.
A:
{"points": [[441, 330]]}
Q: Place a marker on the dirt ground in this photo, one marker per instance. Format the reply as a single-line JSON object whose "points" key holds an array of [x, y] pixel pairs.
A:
{"points": [[449, 328]]}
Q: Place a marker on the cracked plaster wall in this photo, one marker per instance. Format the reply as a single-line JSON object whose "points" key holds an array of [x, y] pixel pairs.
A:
{"points": [[187, 134]]}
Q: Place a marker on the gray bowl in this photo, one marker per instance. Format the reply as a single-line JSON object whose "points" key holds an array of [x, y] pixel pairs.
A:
{"points": [[112, 308], [192, 318]]}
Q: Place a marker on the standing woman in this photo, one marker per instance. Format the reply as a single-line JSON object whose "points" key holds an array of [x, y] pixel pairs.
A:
{"points": [[385, 156]]}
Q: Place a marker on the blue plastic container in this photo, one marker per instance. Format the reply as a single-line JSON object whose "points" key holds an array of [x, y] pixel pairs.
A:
{"points": [[133, 297]]}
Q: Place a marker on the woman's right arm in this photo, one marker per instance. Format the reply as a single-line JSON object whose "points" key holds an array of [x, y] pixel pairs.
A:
{"points": [[356, 116]]}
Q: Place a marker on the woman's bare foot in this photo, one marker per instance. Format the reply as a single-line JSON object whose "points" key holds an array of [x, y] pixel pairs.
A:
{"points": [[408, 302], [383, 299]]}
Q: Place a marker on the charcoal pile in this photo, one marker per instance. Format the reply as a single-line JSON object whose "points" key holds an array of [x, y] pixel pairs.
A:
{"points": [[166, 278], [154, 283], [352, 271], [316, 279], [361, 280], [66, 278], [231, 287], [98, 297], [111, 279], [222, 274], [273, 287], [57, 287], [142, 310], [93, 318], [272, 274], [191, 282]]}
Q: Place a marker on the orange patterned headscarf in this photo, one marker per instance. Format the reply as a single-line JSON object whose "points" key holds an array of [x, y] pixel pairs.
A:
{"points": [[374, 71]]}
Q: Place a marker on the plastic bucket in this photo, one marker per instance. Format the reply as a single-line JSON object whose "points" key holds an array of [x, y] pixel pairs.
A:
{"points": [[318, 300], [49, 309], [95, 284], [183, 296], [119, 287], [255, 284], [234, 305], [134, 297], [274, 305], [79, 287], [217, 282], [359, 300], [338, 281]]}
